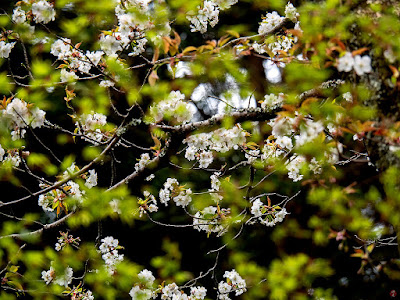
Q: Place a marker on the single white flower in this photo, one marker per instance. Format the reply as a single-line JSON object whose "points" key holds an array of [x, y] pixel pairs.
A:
{"points": [[19, 15], [68, 76], [345, 63], [43, 12], [291, 12], [5, 49], [362, 65]]}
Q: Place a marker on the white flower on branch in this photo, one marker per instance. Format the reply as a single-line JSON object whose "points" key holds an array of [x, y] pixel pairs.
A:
{"points": [[43, 12], [294, 166], [48, 276], [267, 215], [207, 14], [68, 76], [143, 161], [235, 283], [291, 12], [61, 49], [252, 156], [18, 114], [109, 249], [215, 183], [18, 111], [172, 190], [91, 180], [143, 294], [210, 220], [19, 15], [348, 97], [106, 83], [109, 44], [114, 203], [220, 140], [172, 108], [91, 126], [270, 22], [17, 134], [63, 280], [13, 158], [150, 177], [272, 101], [309, 131], [2, 152]]}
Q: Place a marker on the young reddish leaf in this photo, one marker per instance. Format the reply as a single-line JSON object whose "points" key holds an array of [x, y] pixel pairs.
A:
{"points": [[359, 51], [153, 78]]}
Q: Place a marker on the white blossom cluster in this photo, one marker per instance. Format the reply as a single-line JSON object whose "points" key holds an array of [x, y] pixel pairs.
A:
{"points": [[131, 30], [63, 280], [2, 152], [109, 249], [234, 283], [361, 65], [348, 97], [266, 215], [5, 49], [66, 239], [53, 198], [270, 22], [210, 220], [208, 13], [77, 60], [272, 101], [137, 292], [19, 15], [143, 161], [12, 157], [89, 126], [172, 190], [18, 115], [282, 43], [91, 180], [281, 130], [294, 166], [43, 12], [82, 295], [291, 12], [149, 204], [172, 292], [286, 140], [150, 177], [309, 131], [220, 140], [252, 156], [172, 108], [315, 166], [114, 204], [215, 183], [144, 290]]}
